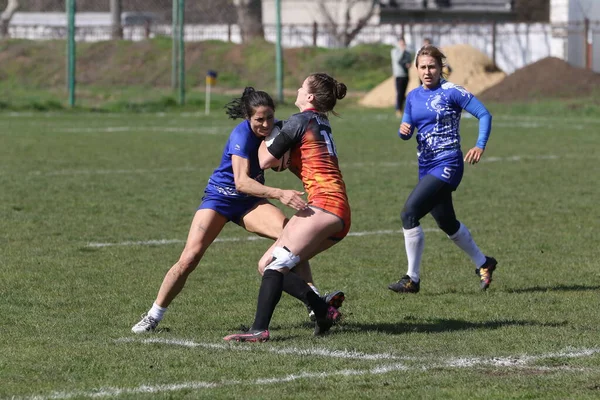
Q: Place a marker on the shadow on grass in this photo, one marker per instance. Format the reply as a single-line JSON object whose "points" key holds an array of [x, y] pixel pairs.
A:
{"points": [[438, 326], [557, 288]]}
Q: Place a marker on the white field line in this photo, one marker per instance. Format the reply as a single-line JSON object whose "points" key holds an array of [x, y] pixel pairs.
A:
{"points": [[110, 129], [160, 242], [149, 389], [391, 164], [519, 362], [112, 171], [509, 361], [285, 350]]}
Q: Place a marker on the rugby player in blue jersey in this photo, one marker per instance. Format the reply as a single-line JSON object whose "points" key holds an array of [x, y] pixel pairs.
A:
{"points": [[434, 109], [235, 192]]}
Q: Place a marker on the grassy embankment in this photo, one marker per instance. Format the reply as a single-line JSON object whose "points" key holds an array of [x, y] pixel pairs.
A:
{"points": [[136, 76]]}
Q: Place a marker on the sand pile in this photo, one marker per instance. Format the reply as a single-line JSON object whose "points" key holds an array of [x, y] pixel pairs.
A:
{"points": [[549, 77], [471, 69]]}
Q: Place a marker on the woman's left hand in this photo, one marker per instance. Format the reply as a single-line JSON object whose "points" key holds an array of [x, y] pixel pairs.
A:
{"points": [[474, 155]]}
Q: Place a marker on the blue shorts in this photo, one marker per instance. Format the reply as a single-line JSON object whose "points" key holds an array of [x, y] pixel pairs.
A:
{"points": [[449, 170], [231, 207]]}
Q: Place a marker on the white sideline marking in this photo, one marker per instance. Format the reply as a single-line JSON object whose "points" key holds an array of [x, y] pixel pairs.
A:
{"points": [[285, 350], [500, 362], [390, 164], [112, 171], [111, 129], [510, 361], [112, 392], [159, 242]]}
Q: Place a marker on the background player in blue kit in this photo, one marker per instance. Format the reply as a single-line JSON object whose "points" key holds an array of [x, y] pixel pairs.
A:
{"points": [[235, 192], [434, 109]]}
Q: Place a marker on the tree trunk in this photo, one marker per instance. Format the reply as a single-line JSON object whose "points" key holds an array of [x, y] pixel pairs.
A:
{"points": [[6, 16], [249, 16], [115, 11]]}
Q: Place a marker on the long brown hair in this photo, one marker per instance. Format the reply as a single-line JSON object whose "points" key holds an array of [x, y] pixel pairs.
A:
{"points": [[326, 91]]}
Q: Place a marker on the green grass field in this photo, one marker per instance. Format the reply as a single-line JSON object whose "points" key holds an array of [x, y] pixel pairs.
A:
{"points": [[94, 208]]}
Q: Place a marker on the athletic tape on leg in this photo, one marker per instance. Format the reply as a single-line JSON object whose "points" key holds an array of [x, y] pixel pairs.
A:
{"points": [[283, 258]]}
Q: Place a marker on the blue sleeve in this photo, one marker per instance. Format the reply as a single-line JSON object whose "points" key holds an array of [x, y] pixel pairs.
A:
{"points": [[239, 143], [478, 110], [407, 117]]}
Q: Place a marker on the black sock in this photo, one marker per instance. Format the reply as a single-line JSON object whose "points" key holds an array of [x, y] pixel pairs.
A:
{"points": [[292, 287], [268, 297], [295, 286]]}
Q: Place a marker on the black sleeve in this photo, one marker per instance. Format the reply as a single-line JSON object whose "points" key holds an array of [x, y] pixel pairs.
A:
{"points": [[290, 134]]}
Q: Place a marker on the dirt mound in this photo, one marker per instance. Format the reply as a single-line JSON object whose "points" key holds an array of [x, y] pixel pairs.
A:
{"points": [[549, 77], [471, 69]]}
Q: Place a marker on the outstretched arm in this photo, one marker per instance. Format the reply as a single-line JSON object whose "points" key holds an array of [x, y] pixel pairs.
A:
{"points": [[245, 184], [478, 110]]}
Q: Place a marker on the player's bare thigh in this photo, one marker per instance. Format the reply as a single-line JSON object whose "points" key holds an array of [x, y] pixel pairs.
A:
{"points": [[265, 220], [308, 231]]}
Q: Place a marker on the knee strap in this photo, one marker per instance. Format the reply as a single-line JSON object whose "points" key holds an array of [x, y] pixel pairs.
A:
{"points": [[283, 258]]}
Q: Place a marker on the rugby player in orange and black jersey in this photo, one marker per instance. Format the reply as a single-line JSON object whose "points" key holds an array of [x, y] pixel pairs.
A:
{"points": [[313, 159]]}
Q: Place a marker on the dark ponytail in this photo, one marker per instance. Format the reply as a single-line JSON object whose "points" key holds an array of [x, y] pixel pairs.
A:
{"points": [[246, 105]]}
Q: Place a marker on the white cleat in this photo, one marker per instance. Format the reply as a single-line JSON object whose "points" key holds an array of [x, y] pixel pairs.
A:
{"points": [[147, 324]]}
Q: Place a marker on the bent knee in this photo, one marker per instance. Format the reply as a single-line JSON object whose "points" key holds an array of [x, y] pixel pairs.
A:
{"points": [[448, 225], [409, 218], [188, 261], [263, 263], [261, 268]]}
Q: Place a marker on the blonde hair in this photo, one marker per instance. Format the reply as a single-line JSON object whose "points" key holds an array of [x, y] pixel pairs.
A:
{"points": [[437, 55]]}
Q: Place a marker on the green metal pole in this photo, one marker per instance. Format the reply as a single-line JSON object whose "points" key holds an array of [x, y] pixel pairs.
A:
{"points": [[71, 51], [181, 53], [278, 52], [175, 43]]}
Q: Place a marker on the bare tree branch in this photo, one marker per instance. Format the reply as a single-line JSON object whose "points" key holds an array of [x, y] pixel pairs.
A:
{"points": [[360, 24], [346, 31]]}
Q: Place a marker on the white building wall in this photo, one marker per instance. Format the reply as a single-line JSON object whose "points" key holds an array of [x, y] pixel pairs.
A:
{"points": [[559, 11], [517, 45], [568, 18]]}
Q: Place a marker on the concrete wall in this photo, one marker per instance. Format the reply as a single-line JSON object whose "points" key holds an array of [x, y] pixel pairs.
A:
{"points": [[577, 42]]}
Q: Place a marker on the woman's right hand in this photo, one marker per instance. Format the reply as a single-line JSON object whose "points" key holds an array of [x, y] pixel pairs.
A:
{"points": [[405, 128], [293, 199]]}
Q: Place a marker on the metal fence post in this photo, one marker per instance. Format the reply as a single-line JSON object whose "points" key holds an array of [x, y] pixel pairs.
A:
{"points": [[494, 38], [587, 45], [174, 43], [71, 51], [181, 35]]}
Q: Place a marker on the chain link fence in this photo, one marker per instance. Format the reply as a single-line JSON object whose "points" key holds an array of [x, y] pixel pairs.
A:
{"points": [[510, 45]]}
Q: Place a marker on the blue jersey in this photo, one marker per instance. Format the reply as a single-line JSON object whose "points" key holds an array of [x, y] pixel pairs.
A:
{"points": [[244, 143], [436, 115]]}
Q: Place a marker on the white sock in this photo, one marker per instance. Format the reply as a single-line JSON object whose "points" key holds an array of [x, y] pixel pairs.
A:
{"points": [[463, 239], [414, 242], [157, 312], [314, 289]]}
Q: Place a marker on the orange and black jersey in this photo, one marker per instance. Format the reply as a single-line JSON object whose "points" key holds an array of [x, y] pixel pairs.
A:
{"points": [[313, 156]]}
